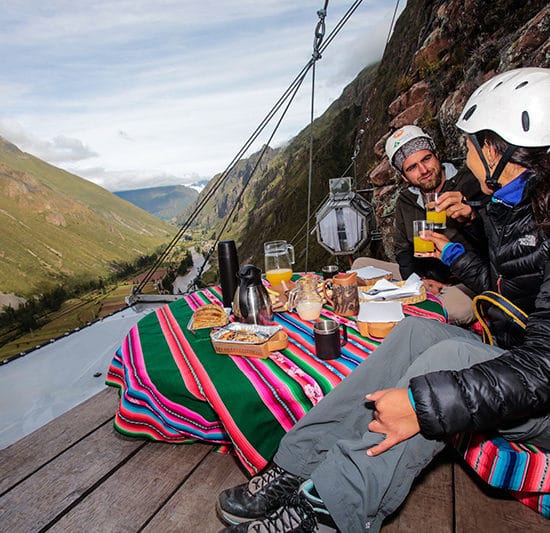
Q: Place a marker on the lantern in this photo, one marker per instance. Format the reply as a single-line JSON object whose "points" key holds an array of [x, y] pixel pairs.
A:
{"points": [[345, 220]]}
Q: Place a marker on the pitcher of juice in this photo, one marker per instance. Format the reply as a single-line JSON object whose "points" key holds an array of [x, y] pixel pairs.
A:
{"points": [[279, 258]]}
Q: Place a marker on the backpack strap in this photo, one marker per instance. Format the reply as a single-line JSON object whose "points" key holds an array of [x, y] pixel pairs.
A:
{"points": [[483, 301]]}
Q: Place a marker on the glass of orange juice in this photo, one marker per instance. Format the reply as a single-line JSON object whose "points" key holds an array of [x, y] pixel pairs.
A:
{"points": [[439, 218], [279, 258], [422, 248]]}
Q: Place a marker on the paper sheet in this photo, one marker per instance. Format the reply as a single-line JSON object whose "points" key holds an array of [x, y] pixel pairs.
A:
{"points": [[370, 272], [380, 312]]}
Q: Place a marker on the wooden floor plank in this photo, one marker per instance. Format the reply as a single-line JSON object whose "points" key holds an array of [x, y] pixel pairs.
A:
{"points": [[482, 508], [192, 508], [37, 500], [29, 453], [128, 499], [429, 506]]}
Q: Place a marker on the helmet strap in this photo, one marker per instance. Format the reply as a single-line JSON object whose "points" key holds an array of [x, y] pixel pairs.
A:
{"points": [[491, 178]]}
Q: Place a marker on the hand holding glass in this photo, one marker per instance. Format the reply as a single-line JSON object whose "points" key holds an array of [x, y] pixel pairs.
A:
{"points": [[439, 218], [422, 247]]}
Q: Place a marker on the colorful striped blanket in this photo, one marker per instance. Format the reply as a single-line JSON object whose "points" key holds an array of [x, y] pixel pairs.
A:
{"points": [[175, 388], [521, 468]]}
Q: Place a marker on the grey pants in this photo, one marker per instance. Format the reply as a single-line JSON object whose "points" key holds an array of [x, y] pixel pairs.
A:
{"points": [[328, 444]]}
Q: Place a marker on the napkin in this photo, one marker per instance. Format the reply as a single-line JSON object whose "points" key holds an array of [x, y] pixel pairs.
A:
{"points": [[391, 291], [380, 312], [370, 272]]}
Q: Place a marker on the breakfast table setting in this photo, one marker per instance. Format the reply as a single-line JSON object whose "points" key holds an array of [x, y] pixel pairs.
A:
{"points": [[242, 385]]}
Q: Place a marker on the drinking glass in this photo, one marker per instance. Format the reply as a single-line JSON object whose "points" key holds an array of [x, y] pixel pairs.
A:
{"points": [[422, 248], [439, 218]]}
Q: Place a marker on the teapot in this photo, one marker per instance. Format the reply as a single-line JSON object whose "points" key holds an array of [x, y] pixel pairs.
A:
{"points": [[252, 304], [306, 299]]}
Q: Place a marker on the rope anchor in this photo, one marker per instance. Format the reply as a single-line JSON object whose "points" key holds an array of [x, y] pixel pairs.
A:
{"points": [[319, 32]]}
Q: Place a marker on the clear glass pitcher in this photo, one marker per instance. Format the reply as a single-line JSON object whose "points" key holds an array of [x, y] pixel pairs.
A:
{"points": [[279, 258], [305, 298]]}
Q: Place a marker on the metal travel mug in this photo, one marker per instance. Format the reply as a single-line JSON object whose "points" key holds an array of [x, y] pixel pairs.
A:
{"points": [[327, 339], [330, 271]]}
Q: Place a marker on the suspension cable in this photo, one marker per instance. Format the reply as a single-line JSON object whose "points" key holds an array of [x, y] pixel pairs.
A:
{"points": [[225, 174], [391, 23], [239, 197], [319, 34]]}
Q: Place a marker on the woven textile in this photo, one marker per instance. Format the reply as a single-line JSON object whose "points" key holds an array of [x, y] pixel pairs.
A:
{"points": [[175, 388], [521, 468]]}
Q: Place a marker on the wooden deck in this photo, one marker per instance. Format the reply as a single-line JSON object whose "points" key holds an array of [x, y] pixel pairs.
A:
{"points": [[78, 474]]}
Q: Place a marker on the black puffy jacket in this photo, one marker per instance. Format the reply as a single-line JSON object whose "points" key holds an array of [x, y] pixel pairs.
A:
{"points": [[515, 385]]}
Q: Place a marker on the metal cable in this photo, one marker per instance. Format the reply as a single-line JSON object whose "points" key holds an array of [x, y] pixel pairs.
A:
{"points": [[319, 34], [392, 21], [225, 174], [237, 201]]}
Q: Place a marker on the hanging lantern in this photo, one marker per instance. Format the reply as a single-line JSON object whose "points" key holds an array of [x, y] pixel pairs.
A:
{"points": [[344, 220]]}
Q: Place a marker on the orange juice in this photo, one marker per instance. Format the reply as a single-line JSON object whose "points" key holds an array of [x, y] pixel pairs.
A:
{"points": [[421, 246], [276, 275], [439, 218]]}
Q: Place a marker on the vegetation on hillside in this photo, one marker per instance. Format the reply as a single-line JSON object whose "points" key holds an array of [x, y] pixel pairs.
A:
{"points": [[58, 227]]}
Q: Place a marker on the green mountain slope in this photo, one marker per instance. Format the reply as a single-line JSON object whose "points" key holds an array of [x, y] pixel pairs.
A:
{"points": [[165, 202], [56, 226]]}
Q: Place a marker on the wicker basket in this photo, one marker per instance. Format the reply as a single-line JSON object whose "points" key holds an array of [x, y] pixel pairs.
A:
{"points": [[379, 330], [370, 282], [407, 300]]}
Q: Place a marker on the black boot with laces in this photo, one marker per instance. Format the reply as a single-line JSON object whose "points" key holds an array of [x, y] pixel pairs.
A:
{"points": [[295, 516], [259, 497]]}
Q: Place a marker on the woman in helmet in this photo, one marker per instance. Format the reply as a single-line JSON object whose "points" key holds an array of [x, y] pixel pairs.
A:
{"points": [[356, 460], [506, 122]]}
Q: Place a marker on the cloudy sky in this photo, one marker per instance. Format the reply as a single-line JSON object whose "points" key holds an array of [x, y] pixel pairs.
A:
{"points": [[136, 93]]}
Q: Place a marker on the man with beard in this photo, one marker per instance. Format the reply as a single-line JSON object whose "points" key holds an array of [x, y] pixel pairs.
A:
{"points": [[412, 152]]}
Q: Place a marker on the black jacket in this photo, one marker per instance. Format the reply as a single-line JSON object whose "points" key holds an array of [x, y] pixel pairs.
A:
{"points": [[515, 385], [407, 210]]}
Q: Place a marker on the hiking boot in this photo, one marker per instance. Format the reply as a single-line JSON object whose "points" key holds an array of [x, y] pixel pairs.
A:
{"points": [[312, 496], [262, 495], [308, 491], [295, 516]]}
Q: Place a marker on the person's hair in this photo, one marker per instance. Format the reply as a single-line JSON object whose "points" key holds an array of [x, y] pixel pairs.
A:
{"points": [[536, 160]]}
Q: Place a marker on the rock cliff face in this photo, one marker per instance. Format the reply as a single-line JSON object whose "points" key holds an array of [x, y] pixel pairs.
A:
{"points": [[440, 51]]}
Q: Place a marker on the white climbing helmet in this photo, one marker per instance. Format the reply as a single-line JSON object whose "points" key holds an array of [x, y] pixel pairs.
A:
{"points": [[515, 105], [404, 135]]}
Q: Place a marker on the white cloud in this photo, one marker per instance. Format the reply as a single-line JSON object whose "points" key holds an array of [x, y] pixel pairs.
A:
{"points": [[60, 149], [127, 92]]}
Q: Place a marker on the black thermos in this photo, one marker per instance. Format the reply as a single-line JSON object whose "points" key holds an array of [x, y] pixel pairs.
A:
{"points": [[228, 263]]}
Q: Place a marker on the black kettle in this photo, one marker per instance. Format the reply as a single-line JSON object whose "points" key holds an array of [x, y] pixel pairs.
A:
{"points": [[252, 304]]}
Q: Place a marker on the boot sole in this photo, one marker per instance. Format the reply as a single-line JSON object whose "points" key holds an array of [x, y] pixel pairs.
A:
{"points": [[229, 518]]}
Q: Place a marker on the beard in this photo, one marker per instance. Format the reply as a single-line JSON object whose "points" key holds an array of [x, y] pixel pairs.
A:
{"points": [[431, 184]]}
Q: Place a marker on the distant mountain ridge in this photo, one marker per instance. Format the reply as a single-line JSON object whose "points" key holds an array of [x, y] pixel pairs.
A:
{"points": [[165, 202], [57, 226]]}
